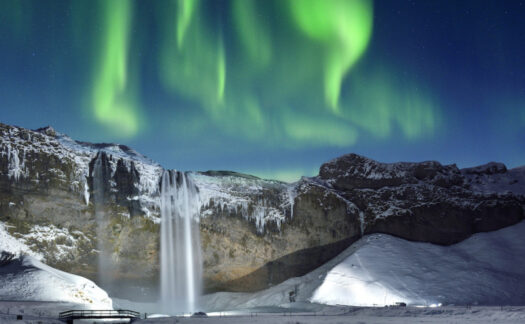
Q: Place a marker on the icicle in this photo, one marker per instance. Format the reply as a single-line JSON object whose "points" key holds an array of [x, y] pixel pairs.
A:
{"points": [[86, 193], [291, 199]]}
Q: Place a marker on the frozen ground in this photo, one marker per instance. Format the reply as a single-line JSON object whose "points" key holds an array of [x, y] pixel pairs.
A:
{"points": [[33, 311], [13, 245], [378, 270], [47, 312], [368, 315], [486, 269], [26, 279]]}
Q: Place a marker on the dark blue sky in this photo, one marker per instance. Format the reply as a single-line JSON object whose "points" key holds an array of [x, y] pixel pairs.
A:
{"points": [[273, 88]]}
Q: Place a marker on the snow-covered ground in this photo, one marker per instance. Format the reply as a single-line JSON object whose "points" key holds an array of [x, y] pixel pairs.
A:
{"points": [[13, 245], [24, 278], [367, 315], [47, 312], [486, 269], [39, 292], [379, 269], [33, 312]]}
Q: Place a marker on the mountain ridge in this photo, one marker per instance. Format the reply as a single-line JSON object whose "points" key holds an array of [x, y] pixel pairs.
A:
{"points": [[255, 232]]}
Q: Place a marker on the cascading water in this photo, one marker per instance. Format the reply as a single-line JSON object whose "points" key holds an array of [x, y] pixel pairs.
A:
{"points": [[181, 261], [100, 175]]}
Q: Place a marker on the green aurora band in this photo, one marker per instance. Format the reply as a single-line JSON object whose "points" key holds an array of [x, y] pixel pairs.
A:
{"points": [[252, 32], [343, 28], [276, 73], [270, 87], [192, 60], [113, 93]]}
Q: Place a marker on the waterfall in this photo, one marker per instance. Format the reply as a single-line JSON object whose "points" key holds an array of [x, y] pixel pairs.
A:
{"points": [[180, 259], [100, 175]]}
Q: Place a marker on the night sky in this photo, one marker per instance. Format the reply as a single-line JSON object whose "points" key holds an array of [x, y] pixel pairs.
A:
{"points": [[271, 87]]}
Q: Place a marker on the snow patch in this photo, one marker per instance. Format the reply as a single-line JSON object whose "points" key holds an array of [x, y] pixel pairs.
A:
{"points": [[379, 269], [26, 278], [240, 195], [13, 245], [61, 238], [485, 269]]}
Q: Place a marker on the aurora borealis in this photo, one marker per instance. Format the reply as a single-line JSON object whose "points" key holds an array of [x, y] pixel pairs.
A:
{"points": [[271, 87]]}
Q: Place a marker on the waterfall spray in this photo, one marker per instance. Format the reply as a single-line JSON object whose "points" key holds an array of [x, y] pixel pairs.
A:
{"points": [[181, 262], [100, 176]]}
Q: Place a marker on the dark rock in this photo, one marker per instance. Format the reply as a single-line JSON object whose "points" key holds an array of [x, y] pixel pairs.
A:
{"points": [[126, 179], [352, 171], [48, 130], [488, 169], [99, 178], [222, 173]]}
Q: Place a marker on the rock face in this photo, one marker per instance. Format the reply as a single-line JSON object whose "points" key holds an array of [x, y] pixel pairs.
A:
{"points": [[353, 171], [47, 201], [427, 201], [255, 233]]}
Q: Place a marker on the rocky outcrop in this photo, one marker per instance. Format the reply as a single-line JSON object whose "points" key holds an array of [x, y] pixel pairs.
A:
{"points": [[47, 200], [486, 169], [424, 201], [255, 233], [353, 171]]}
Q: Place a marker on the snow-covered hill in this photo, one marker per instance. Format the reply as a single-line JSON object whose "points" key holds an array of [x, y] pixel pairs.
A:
{"points": [[24, 278], [379, 269], [485, 269]]}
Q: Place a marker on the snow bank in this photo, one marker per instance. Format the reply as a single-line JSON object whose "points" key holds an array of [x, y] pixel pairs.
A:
{"points": [[25, 278], [13, 245], [486, 269], [379, 269]]}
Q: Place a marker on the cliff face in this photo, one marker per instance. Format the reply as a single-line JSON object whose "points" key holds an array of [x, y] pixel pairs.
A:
{"points": [[427, 201], [47, 200], [254, 232]]}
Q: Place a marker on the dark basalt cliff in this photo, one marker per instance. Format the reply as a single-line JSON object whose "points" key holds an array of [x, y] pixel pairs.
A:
{"points": [[255, 233]]}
